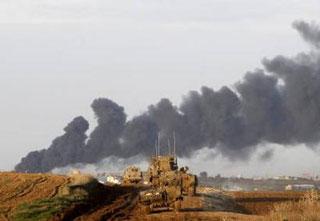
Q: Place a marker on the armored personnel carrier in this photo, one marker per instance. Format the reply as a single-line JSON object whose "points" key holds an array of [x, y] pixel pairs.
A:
{"points": [[189, 182], [132, 175], [167, 183]]}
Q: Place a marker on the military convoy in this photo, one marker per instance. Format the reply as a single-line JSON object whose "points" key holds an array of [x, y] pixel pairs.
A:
{"points": [[166, 184]]}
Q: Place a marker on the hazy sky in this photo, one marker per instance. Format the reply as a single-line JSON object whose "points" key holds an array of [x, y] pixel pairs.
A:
{"points": [[56, 56]]}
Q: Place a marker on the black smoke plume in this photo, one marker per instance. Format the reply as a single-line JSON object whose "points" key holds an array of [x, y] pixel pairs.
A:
{"points": [[309, 32], [277, 104], [64, 150], [104, 139]]}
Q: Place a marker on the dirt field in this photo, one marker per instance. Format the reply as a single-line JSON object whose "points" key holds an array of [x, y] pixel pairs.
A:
{"points": [[18, 189], [21, 188], [121, 203]]}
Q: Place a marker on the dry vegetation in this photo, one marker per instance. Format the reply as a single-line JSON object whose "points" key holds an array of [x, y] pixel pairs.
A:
{"points": [[306, 209], [281, 206], [263, 202]]}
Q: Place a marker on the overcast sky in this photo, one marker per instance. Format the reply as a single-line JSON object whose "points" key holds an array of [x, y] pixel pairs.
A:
{"points": [[56, 56]]}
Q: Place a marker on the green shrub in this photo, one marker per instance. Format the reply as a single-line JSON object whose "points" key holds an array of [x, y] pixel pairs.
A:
{"points": [[44, 209]]}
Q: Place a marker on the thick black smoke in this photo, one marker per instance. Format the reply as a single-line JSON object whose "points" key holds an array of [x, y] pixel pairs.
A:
{"points": [[310, 32], [277, 104], [104, 140], [64, 150], [139, 134]]}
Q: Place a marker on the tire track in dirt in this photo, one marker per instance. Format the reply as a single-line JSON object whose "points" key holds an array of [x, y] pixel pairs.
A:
{"points": [[18, 188], [23, 193], [30, 188], [58, 187], [10, 195], [25, 189], [116, 210], [125, 211]]}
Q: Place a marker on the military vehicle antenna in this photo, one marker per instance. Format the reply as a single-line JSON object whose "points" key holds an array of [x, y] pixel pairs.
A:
{"points": [[174, 143], [159, 144]]}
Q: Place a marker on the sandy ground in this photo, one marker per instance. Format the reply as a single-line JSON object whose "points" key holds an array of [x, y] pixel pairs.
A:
{"points": [[18, 188]]}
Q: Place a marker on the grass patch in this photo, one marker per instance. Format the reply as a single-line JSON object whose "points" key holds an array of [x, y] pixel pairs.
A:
{"points": [[306, 209], [44, 209]]}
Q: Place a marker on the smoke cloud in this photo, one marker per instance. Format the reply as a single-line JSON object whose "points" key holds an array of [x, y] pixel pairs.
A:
{"points": [[64, 150], [112, 164], [310, 32], [267, 155], [104, 140], [277, 104]]}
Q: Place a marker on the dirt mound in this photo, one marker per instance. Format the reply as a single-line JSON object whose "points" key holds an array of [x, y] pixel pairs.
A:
{"points": [[82, 179], [116, 205], [82, 185]]}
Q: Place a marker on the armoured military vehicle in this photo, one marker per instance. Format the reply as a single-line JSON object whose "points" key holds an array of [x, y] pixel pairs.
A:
{"points": [[163, 171], [168, 184], [132, 175], [189, 182]]}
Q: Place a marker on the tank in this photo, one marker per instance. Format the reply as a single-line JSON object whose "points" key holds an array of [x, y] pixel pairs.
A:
{"points": [[132, 175], [167, 184], [189, 182], [160, 168], [161, 199]]}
